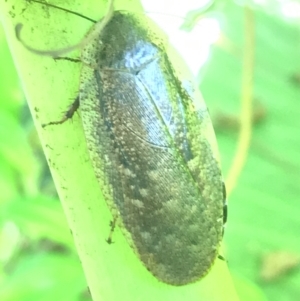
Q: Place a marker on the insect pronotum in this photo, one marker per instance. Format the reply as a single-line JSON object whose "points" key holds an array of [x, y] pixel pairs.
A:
{"points": [[153, 147]]}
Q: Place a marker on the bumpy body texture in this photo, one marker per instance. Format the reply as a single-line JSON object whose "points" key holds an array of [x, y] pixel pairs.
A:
{"points": [[150, 144]]}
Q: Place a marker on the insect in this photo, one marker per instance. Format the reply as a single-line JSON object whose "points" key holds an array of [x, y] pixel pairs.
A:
{"points": [[152, 147]]}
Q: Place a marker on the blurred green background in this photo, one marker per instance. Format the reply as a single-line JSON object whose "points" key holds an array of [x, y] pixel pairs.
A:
{"points": [[262, 238]]}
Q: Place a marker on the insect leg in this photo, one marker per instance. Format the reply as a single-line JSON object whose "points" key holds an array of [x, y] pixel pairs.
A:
{"points": [[112, 228], [221, 257], [68, 114], [65, 58]]}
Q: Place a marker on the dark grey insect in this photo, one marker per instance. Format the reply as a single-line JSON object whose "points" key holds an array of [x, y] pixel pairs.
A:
{"points": [[153, 149]]}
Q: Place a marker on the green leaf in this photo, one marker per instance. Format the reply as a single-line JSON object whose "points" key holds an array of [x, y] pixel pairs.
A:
{"points": [[113, 272]]}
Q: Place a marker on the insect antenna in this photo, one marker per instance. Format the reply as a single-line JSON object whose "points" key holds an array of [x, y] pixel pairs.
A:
{"points": [[65, 9], [59, 52]]}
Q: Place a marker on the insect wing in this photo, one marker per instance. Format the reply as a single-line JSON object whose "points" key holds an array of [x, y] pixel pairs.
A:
{"points": [[154, 161]]}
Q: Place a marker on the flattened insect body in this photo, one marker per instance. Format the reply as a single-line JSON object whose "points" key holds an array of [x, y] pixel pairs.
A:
{"points": [[151, 148]]}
